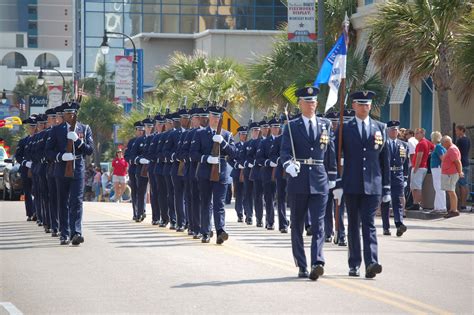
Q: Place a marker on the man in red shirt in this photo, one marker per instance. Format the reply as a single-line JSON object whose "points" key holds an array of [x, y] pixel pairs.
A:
{"points": [[420, 167]]}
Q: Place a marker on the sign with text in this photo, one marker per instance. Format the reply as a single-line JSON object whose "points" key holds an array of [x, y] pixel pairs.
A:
{"points": [[55, 96], [123, 79], [301, 21]]}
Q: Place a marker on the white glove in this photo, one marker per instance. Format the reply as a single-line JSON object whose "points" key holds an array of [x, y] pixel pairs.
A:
{"points": [[293, 169], [332, 184], [337, 194], [67, 157], [144, 161], [250, 165], [213, 160], [72, 135], [241, 166], [405, 184], [28, 164], [218, 138], [386, 198], [273, 164]]}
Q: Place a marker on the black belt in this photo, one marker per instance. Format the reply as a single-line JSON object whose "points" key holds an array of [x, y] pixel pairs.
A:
{"points": [[310, 161]]}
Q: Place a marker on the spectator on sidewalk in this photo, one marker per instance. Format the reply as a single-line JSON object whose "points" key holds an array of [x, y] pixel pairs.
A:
{"points": [[106, 185], [88, 181], [436, 158], [420, 167], [412, 142], [464, 144], [451, 171], [120, 168], [97, 183]]}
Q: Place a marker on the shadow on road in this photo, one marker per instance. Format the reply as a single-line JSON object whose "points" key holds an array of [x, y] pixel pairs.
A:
{"points": [[236, 282], [17, 235]]}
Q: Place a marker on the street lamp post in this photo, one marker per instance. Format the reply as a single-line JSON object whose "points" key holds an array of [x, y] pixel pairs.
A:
{"points": [[41, 80], [104, 47]]}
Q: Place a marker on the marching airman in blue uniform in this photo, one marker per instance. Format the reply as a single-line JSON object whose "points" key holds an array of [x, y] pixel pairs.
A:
{"points": [[398, 180], [280, 178], [365, 180], [306, 144], [213, 192], [23, 157], [256, 172], [172, 122], [39, 172], [70, 190], [248, 163], [139, 131], [237, 166]]}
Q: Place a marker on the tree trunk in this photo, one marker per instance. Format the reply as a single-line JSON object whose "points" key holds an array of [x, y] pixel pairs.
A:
{"points": [[97, 153], [444, 114]]}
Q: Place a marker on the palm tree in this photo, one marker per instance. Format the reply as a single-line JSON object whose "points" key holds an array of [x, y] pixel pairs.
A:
{"points": [[422, 36]]}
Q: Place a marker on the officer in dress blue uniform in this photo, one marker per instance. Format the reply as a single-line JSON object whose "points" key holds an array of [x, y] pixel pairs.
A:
{"points": [[152, 157], [237, 166], [256, 174], [280, 178], [248, 164], [139, 131], [138, 155], [213, 193], [398, 180], [23, 157], [333, 201], [365, 179], [171, 148], [39, 172], [70, 190], [52, 200], [172, 122], [312, 141], [266, 172]]}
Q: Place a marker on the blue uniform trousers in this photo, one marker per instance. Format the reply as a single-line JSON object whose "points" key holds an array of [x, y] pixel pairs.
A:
{"points": [[178, 185], [398, 204], [45, 201], [187, 201], [361, 208], [258, 199], [134, 189], [195, 207], [28, 191], [299, 205], [248, 200], [53, 203], [331, 216], [212, 203], [155, 205], [281, 203], [37, 198], [170, 198], [70, 195], [142, 182], [238, 195], [269, 190], [162, 198]]}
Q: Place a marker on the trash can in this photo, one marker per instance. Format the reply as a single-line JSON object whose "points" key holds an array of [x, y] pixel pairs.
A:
{"points": [[428, 192]]}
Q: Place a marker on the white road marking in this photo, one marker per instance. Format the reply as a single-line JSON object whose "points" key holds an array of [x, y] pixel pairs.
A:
{"points": [[11, 309]]}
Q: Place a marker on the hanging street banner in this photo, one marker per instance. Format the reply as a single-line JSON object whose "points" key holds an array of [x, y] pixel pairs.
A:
{"points": [[301, 21], [55, 95], [123, 79]]}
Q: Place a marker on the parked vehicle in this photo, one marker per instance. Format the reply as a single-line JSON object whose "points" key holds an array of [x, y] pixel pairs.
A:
{"points": [[3, 157], [12, 184]]}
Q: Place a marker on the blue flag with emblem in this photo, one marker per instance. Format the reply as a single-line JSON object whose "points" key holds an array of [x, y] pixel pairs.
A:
{"points": [[333, 70]]}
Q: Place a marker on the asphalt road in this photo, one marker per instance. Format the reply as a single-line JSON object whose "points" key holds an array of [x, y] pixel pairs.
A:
{"points": [[128, 267]]}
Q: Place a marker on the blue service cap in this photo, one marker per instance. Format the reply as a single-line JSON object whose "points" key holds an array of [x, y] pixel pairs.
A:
{"points": [[254, 125], [159, 118], [307, 93], [275, 122], [70, 107], [216, 110], [30, 121], [395, 124], [59, 109], [50, 112], [183, 113], [332, 115], [147, 122], [139, 125], [363, 97], [242, 129]]}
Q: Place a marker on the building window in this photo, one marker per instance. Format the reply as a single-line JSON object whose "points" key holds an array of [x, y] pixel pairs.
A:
{"points": [[367, 2], [32, 42], [20, 40], [32, 26], [47, 61], [14, 60], [32, 10]]}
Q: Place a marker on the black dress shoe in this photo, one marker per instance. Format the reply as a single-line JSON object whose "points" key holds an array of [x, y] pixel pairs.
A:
{"points": [[372, 270], [387, 232], [308, 231], [163, 224], [401, 229], [316, 272], [354, 272], [259, 224], [47, 230], [141, 218], [342, 241], [190, 233], [302, 273], [54, 234], [77, 239], [33, 218], [240, 220], [270, 227], [135, 218], [205, 239], [28, 219], [284, 230], [155, 222], [328, 239], [222, 237], [172, 226], [64, 240], [180, 229], [211, 234], [39, 223], [249, 221], [197, 236]]}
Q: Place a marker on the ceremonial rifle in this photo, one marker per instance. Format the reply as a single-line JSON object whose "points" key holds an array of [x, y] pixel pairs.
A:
{"points": [[69, 172], [144, 169], [216, 150], [182, 163]]}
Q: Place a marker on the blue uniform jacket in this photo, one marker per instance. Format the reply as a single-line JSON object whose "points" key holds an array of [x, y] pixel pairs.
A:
{"points": [[160, 166], [39, 153], [366, 163], [251, 157], [263, 158], [201, 147], [275, 157], [128, 155], [398, 162], [20, 155], [312, 179], [57, 143], [138, 151], [235, 161], [183, 152]]}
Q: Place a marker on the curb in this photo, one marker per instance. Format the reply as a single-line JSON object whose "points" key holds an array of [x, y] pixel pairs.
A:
{"points": [[423, 215]]}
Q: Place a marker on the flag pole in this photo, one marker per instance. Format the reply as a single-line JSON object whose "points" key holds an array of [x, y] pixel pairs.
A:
{"points": [[342, 92]]}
